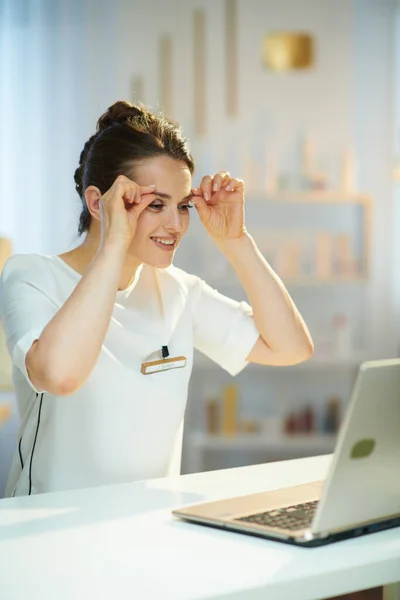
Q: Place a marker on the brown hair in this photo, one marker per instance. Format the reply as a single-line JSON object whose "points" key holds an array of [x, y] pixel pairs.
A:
{"points": [[125, 134]]}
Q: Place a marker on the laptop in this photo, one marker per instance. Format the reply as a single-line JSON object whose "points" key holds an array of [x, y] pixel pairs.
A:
{"points": [[361, 493]]}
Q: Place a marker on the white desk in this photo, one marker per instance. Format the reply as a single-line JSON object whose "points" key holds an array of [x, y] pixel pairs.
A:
{"points": [[122, 542]]}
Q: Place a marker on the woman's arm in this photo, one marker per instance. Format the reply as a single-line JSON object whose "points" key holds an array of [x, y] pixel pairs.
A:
{"points": [[64, 355], [284, 337], [66, 352]]}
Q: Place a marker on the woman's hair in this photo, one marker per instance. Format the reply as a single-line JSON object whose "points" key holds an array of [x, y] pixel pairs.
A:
{"points": [[125, 134]]}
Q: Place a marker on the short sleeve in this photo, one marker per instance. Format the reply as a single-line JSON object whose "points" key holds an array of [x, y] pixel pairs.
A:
{"points": [[224, 329], [26, 306]]}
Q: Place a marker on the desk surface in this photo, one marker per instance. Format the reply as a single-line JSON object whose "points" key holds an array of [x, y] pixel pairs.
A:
{"points": [[122, 542]]}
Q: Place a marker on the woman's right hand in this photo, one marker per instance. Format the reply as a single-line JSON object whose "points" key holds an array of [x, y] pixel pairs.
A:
{"points": [[120, 208]]}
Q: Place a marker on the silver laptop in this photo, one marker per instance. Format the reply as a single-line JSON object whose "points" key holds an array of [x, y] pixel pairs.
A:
{"points": [[361, 494]]}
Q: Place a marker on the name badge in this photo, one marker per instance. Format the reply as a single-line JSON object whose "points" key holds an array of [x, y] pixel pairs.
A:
{"points": [[155, 366]]}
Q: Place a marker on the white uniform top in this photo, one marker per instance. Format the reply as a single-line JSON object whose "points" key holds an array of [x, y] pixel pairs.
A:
{"points": [[121, 425]]}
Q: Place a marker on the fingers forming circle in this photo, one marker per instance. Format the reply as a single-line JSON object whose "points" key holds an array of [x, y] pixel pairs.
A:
{"points": [[234, 184]]}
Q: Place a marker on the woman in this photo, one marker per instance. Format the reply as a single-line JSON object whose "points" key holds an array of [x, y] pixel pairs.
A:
{"points": [[102, 337]]}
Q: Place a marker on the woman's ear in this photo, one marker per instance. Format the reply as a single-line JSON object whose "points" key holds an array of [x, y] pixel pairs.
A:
{"points": [[92, 197]]}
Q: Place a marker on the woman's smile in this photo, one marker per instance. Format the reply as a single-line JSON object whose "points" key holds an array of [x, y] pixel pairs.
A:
{"points": [[165, 243]]}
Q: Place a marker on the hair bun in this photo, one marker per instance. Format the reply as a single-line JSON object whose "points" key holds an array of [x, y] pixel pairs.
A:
{"points": [[118, 113]]}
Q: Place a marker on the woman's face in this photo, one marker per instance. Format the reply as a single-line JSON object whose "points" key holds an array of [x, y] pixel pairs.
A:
{"points": [[164, 222]]}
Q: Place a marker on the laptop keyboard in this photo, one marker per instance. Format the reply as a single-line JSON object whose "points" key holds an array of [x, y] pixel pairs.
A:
{"points": [[298, 516]]}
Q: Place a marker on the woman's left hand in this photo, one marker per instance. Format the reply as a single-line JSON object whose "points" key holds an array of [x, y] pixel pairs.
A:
{"points": [[219, 202]]}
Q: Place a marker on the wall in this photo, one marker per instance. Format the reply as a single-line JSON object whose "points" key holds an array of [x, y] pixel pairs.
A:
{"points": [[63, 63]]}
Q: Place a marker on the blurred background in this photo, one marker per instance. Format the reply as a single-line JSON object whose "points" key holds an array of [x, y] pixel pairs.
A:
{"points": [[300, 98]]}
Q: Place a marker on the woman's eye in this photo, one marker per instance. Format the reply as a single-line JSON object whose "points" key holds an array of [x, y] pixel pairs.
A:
{"points": [[158, 206], [185, 207]]}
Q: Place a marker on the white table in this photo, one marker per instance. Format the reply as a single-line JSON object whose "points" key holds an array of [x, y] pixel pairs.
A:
{"points": [[122, 542]]}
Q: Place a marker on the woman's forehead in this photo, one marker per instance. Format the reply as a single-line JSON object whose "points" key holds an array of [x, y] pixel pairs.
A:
{"points": [[169, 175]]}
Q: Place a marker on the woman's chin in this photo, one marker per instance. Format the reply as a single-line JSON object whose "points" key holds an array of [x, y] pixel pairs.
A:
{"points": [[160, 262]]}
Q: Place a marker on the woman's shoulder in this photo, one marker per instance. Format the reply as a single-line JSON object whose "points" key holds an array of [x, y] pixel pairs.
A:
{"points": [[32, 268], [23, 262]]}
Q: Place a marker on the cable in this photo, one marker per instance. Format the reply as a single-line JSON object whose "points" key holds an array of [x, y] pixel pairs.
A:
{"points": [[34, 444], [20, 453]]}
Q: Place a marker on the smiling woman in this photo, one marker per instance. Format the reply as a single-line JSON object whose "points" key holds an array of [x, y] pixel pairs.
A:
{"points": [[112, 324]]}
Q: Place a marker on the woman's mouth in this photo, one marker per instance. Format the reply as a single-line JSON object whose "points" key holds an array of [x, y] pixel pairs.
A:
{"points": [[166, 244]]}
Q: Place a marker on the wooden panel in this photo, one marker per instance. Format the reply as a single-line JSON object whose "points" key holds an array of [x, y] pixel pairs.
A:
{"points": [[5, 412], [5, 251], [199, 73], [5, 360], [165, 74], [231, 56]]}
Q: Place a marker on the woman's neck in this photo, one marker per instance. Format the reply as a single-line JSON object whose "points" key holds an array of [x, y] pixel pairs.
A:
{"points": [[80, 258]]}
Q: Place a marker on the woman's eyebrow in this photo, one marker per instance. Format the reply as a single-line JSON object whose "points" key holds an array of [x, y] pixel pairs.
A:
{"points": [[168, 197]]}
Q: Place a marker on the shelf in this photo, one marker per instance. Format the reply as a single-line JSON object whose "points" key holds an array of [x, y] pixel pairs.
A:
{"points": [[317, 443], [298, 281], [329, 363], [328, 281], [311, 196]]}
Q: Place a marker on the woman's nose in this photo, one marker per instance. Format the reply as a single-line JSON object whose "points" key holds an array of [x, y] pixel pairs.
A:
{"points": [[173, 221]]}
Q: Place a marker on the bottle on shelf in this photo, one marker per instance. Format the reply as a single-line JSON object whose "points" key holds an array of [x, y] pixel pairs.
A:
{"points": [[345, 262], [307, 167], [230, 410], [288, 263], [249, 426], [309, 419], [348, 172], [331, 421], [212, 416], [300, 421], [323, 255]]}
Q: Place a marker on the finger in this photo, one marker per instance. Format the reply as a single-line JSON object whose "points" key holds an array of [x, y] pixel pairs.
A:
{"points": [[196, 192], [233, 184], [220, 179], [130, 189], [205, 186], [132, 195], [200, 205], [136, 192], [146, 199], [146, 189], [125, 188]]}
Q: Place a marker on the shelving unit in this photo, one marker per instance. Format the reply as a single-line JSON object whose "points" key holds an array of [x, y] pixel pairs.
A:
{"points": [[268, 447], [336, 197], [272, 219], [318, 198], [303, 281]]}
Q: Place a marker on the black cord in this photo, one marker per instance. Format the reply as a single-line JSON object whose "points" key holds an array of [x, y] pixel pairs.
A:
{"points": [[164, 351], [34, 444], [20, 453]]}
